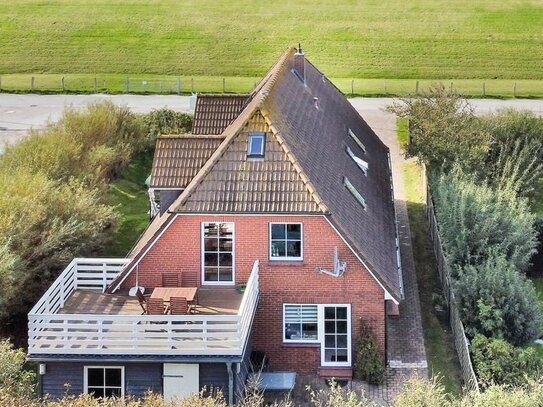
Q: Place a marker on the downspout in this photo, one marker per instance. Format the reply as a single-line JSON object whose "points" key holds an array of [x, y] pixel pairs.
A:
{"points": [[230, 383]]}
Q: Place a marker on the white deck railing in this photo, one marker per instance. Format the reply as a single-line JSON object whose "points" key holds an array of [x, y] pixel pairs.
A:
{"points": [[50, 332]]}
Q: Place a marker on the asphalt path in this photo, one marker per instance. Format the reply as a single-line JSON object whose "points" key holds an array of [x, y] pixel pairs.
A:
{"points": [[19, 113]]}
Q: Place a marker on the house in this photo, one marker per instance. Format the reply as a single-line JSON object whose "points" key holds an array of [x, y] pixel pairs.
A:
{"points": [[286, 193]]}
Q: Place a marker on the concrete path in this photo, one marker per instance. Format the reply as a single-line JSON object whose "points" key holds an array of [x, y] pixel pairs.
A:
{"points": [[18, 113]]}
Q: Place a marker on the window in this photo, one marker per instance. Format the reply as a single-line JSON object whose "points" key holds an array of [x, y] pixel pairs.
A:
{"points": [[300, 323], [354, 192], [257, 142], [218, 253], [363, 165], [357, 140], [104, 381], [286, 241], [336, 336]]}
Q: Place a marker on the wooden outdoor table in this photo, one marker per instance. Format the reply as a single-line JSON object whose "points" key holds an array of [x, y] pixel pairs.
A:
{"points": [[190, 293]]}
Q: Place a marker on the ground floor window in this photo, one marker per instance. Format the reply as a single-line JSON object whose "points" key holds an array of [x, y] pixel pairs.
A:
{"points": [[326, 324], [104, 381]]}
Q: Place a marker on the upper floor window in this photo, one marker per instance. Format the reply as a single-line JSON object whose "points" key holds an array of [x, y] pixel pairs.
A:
{"points": [[286, 241], [257, 142], [104, 381], [217, 253]]}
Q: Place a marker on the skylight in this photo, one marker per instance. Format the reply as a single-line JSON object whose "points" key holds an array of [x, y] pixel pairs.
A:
{"points": [[363, 165], [357, 140], [355, 193], [257, 141]]}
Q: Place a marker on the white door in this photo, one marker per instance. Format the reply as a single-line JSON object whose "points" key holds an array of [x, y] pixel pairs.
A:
{"points": [[180, 380]]}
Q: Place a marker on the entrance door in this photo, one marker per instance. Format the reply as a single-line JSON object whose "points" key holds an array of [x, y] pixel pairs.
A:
{"points": [[180, 380], [336, 326]]}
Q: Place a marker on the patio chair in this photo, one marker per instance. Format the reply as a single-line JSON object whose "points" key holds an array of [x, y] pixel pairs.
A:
{"points": [[155, 306], [171, 280], [179, 306], [142, 300]]}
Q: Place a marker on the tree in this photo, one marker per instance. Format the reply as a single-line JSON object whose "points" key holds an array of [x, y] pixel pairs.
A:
{"points": [[14, 380]]}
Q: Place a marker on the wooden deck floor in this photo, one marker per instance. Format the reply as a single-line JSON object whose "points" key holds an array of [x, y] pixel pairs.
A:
{"points": [[211, 301]]}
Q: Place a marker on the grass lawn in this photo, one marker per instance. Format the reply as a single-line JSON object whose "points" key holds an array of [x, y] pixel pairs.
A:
{"points": [[442, 358], [499, 41], [130, 195]]}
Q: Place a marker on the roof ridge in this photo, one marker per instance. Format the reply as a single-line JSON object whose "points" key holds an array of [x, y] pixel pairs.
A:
{"points": [[296, 164]]}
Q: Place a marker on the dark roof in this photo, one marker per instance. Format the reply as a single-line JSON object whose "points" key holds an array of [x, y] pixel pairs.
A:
{"points": [[213, 113], [178, 159], [318, 138], [314, 140]]}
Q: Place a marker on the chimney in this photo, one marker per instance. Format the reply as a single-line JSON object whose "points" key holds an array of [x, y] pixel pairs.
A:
{"points": [[299, 63]]}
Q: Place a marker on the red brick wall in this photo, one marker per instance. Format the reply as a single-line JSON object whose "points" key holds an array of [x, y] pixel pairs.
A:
{"points": [[178, 250]]}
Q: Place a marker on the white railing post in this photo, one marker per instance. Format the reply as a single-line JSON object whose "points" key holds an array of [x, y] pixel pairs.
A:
{"points": [[104, 277]]}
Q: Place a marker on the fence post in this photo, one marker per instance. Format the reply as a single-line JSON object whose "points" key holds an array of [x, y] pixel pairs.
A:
{"points": [[32, 84], [94, 85], [62, 84], [223, 85], [386, 91], [126, 85], [417, 88], [514, 89], [191, 85], [451, 87], [484, 88], [178, 85], [352, 87]]}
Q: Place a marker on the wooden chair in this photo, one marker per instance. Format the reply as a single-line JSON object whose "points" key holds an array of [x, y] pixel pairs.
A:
{"points": [[155, 306], [179, 306], [171, 279], [142, 300]]}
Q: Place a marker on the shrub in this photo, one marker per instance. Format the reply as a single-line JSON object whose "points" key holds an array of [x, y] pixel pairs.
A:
{"points": [[14, 380], [475, 218], [498, 362], [443, 129], [496, 301], [368, 360], [501, 396], [428, 393], [335, 396], [166, 121]]}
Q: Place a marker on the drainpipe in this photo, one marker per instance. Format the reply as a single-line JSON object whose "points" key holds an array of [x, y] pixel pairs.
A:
{"points": [[230, 383]]}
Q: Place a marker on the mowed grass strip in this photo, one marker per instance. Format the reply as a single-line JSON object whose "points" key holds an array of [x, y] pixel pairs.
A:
{"points": [[424, 39]]}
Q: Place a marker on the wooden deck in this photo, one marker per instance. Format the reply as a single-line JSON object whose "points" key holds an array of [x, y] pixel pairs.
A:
{"points": [[211, 301]]}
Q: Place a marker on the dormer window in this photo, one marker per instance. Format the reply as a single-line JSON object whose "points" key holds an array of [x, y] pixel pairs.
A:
{"points": [[357, 140], [257, 141], [363, 165]]}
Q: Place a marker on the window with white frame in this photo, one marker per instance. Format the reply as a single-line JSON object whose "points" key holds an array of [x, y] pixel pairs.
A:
{"points": [[286, 241], [363, 165], [257, 142], [336, 336], [104, 381], [357, 140], [300, 323], [217, 253]]}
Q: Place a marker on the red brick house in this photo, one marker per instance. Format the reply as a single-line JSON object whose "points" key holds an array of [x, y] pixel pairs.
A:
{"points": [[286, 190]]}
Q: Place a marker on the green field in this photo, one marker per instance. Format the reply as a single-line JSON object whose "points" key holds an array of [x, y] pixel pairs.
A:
{"points": [[208, 40]]}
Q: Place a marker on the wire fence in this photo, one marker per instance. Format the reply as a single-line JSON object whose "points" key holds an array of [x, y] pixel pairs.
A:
{"points": [[460, 340], [157, 84]]}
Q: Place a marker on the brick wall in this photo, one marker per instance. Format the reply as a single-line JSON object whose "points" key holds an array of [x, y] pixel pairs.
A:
{"points": [[178, 250]]}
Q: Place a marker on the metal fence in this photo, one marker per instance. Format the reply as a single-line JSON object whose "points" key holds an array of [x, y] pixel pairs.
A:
{"points": [[460, 341]]}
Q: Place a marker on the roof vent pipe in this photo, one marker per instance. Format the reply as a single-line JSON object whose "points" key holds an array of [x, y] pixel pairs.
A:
{"points": [[299, 62], [316, 102]]}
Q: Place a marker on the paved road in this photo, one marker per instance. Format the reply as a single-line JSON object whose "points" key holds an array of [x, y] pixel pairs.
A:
{"points": [[19, 113]]}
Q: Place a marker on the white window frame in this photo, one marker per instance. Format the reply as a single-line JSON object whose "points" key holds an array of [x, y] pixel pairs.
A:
{"points": [[320, 333], [202, 255], [316, 340], [86, 378], [349, 333], [252, 135], [357, 140], [363, 165], [357, 195], [286, 258]]}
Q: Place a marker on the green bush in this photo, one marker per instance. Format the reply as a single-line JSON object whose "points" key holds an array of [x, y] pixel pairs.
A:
{"points": [[498, 302], [14, 380], [368, 359], [428, 393], [477, 221], [166, 121], [497, 362]]}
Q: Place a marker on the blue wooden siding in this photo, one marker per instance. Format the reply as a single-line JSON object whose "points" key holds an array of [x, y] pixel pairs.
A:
{"points": [[63, 378], [214, 376]]}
